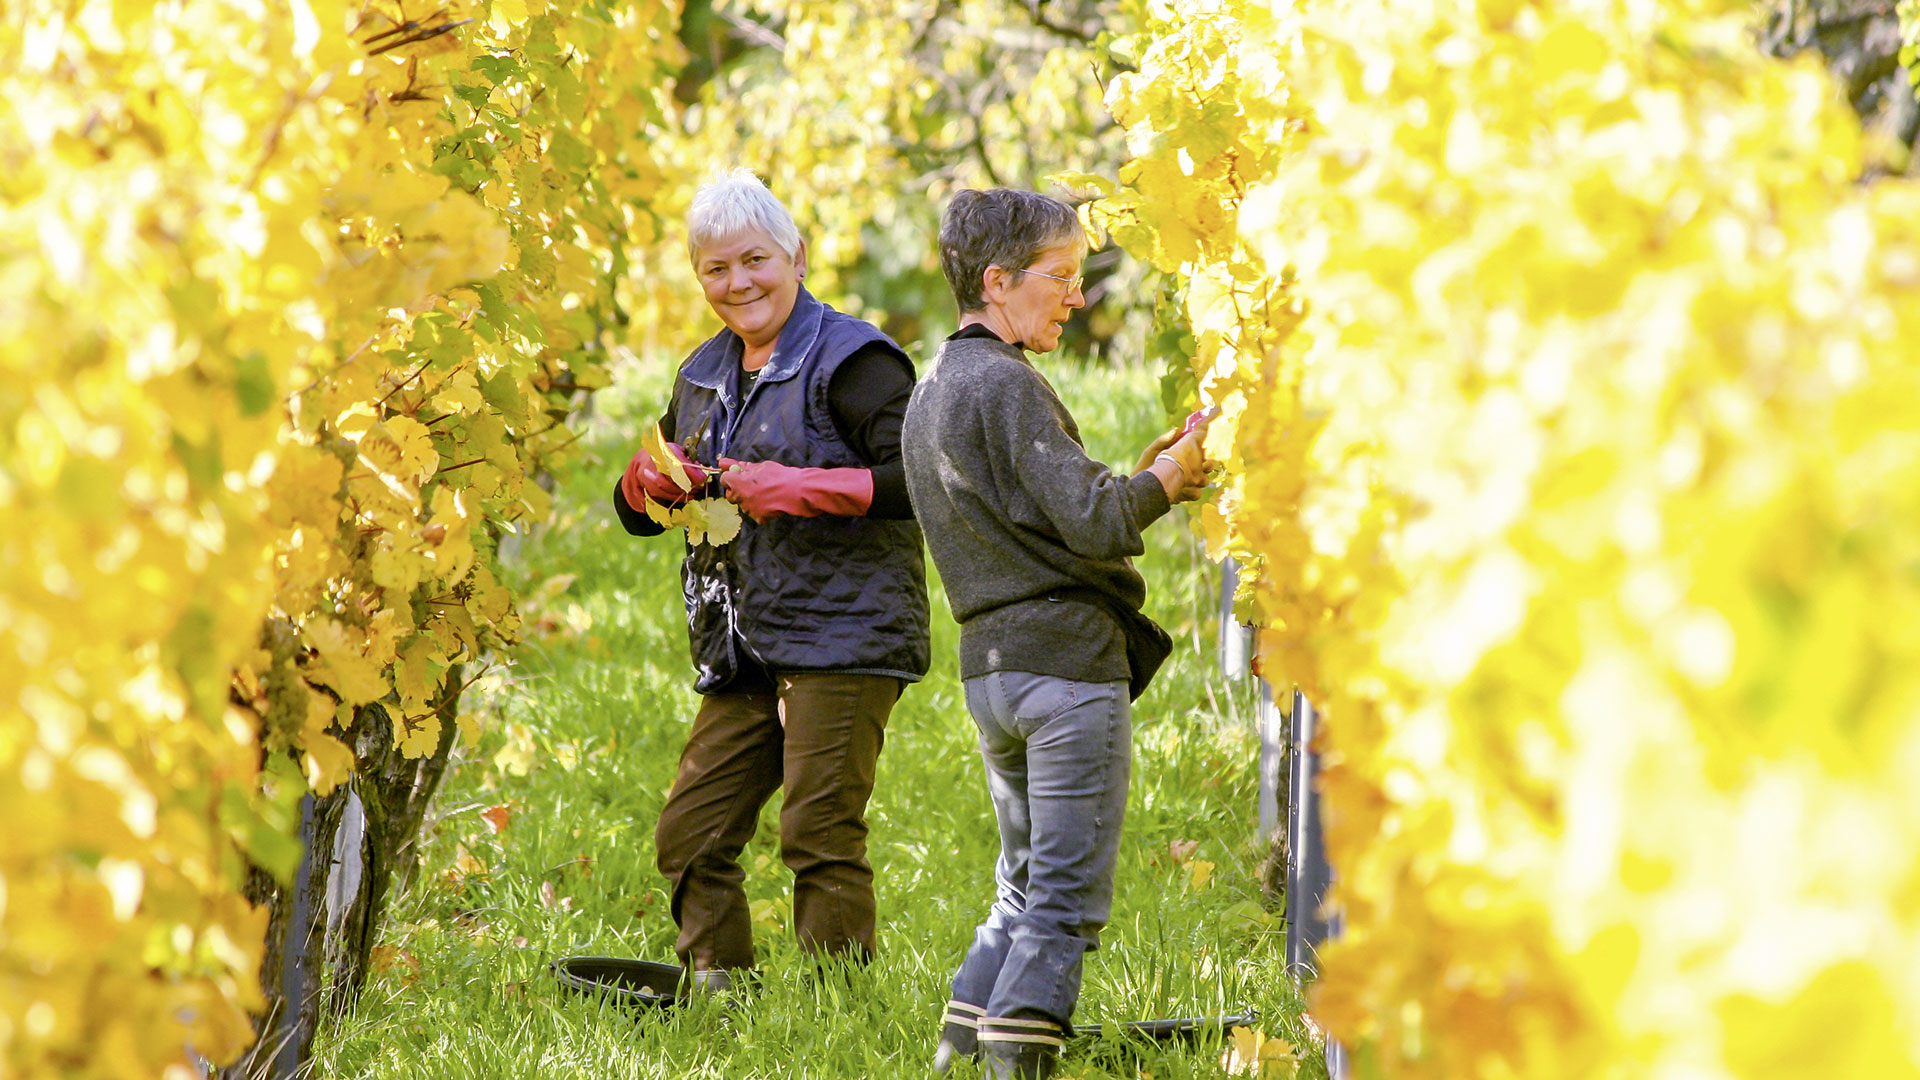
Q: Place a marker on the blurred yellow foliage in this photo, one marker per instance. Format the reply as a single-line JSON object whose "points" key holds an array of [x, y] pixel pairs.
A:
{"points": [[1572, 414], [293, 302]]}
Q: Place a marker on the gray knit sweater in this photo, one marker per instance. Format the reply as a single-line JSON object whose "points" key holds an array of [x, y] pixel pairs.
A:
{"points": [[1014, 509]]}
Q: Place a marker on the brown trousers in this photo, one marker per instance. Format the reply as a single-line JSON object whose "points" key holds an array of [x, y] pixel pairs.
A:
{"points": [[818, 736]]}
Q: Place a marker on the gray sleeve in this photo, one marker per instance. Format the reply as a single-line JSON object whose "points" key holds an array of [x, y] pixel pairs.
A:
{"points": [[1093, 511]]}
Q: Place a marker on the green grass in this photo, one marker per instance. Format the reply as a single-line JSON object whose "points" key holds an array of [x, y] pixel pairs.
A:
{"points": [[580, 736]]}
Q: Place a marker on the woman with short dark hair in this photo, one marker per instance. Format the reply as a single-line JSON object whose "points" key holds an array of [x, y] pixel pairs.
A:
{"points": [[1034, 542]]}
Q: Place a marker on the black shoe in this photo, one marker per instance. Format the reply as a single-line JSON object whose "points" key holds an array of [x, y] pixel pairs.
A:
{"points": [[959, 1035], [1020, 1048], [731, 989]]}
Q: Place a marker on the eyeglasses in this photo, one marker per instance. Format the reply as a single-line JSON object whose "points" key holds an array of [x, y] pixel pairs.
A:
{"points": [[1072, 283]]}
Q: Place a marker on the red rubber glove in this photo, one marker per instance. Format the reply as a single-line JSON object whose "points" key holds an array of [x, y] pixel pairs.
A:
{"points": [[643, 480], [767, 489]]}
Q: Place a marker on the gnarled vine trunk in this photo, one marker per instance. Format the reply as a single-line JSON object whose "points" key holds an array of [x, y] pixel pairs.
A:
{"points": [[359, 846]]}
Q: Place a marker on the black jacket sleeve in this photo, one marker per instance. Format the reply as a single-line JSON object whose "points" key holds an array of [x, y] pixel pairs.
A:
{"points": [[868, 400]]}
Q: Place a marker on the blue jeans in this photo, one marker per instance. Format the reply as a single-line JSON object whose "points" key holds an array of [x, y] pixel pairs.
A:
{"points": [[1058, 754]]}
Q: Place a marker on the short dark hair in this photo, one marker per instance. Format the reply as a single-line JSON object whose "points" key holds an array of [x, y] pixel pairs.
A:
{"points": [[998, 227]]}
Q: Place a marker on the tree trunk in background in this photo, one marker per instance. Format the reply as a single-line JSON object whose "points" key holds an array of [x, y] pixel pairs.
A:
{"points": [[1860, 40], [359, 846]]}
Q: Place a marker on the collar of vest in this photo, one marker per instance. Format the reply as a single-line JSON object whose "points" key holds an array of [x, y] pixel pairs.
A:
{"points": [[712, 363]]}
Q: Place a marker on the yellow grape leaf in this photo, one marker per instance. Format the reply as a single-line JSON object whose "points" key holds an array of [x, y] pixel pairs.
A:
{"points": [[460, 393], [384, 632], [455, 632], [506, 15], [663, 515], [466, 864], [516, 757], [1256, 1054], [489, 600], [395, 571], [1199, 874], [1215, 527], [342, 666], [712, 521], [418, 458], [386, 457], [320, 713], [665, 459], [415, 674], [403, 190], [693, 515], [418, 735], [450, 531], [303, 489], [327, 763]]}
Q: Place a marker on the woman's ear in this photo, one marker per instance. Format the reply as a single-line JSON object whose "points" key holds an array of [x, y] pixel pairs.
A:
{"points": [[800, 262], [993, 284]]}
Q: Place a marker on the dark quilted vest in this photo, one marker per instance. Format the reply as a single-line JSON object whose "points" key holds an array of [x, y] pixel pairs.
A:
{"points": [[821, 593]]}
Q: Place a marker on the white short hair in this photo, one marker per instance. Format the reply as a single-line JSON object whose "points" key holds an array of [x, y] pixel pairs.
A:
{"points": [[737, 202]]}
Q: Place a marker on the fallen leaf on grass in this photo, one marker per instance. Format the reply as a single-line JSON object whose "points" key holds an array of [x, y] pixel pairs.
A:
{"points": [[465, 866], [390, 957], [1256, 1054], [516, 757], [1200, 873], [497, 817]]}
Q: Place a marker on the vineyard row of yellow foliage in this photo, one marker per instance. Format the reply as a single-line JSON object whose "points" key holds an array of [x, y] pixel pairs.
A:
{"points": [[1571, 392], [295, 297]]}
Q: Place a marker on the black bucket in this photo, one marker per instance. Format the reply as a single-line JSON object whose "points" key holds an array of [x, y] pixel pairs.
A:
{"points": [[638, 983]]}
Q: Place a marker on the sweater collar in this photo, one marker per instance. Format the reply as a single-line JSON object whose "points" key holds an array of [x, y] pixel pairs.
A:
{"points": [[977, 339], [975, 330]]}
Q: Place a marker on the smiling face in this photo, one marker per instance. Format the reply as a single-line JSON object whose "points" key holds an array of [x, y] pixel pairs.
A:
{"points": [[751, 284], [1032, 308]]}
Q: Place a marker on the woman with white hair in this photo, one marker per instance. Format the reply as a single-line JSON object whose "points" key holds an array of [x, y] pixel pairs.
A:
{"points": [[807, 626]]}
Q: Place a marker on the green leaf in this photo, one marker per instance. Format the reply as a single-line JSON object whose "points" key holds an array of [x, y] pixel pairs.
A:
{"points": [[498, 69], [253, 383], [571, 153]]}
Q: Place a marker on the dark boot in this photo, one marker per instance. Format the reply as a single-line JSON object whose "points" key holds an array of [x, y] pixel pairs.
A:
{"points": [[1020, 1048], [731, 988], [959, 1035]]}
